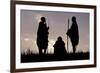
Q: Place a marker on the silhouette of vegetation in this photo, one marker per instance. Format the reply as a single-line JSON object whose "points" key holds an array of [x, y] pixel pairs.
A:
{"points": [[30, 57]]}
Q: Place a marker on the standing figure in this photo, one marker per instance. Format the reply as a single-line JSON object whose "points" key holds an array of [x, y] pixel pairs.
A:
{"points": [[73, 34], [59, 47], [42, 36]]}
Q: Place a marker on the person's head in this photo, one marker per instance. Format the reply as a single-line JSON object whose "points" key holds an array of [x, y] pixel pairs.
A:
{"points": [[74, 19], [43, 19], [59, 38]]}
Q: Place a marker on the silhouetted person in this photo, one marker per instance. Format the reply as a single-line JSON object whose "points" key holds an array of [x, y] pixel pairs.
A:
{"points": [[42, 36], [73, 34], [59, 47]]}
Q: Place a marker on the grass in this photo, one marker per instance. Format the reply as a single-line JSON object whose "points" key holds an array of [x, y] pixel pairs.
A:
{"points": [[30, 57]]}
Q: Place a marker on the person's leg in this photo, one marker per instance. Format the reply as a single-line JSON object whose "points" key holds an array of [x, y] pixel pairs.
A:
{"points": [[74, 49], [45, 48], [44, 51], [40, 51]]}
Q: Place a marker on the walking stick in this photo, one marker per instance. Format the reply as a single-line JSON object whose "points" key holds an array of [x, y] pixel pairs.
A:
{"points": [[67, 35]]}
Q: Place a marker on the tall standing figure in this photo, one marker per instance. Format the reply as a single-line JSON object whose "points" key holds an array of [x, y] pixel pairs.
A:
{"points": [[73, 34], [42, 36]]}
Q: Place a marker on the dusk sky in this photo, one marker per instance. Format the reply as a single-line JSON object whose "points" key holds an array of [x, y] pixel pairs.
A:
{"points": [[57, 22]]}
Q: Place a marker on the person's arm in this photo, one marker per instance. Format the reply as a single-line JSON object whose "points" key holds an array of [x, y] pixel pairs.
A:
{"points": [[68, 32]]}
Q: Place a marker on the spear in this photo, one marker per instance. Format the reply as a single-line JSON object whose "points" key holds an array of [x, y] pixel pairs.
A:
{"points": [[67, 35]]}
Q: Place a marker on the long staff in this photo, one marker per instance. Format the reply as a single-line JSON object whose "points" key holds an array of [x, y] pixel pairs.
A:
{"points": [[67, 35]]}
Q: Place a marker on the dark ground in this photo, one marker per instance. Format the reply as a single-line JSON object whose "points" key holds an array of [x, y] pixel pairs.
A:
{"points": [[25, 58]]}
